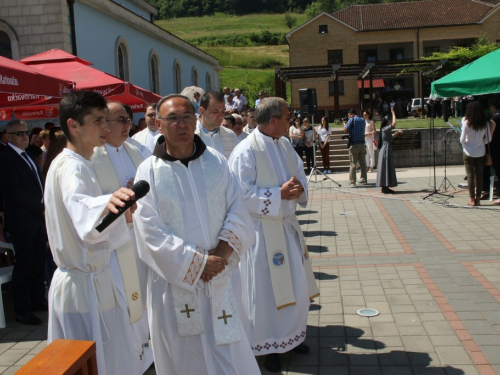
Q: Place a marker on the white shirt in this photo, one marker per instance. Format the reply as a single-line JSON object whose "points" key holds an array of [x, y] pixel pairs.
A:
{"points": [[473, 141], [231, 106], [323, 133], [240, 102]]}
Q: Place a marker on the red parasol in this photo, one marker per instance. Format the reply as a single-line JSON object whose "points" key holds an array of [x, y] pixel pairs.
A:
{"points": [[24, 85], [62, 64]]}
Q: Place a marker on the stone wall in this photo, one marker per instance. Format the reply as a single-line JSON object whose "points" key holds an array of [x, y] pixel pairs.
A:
{"points": [[423, 157], [39, 25]]}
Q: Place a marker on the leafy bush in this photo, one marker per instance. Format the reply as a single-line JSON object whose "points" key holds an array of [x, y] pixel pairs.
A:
{"points": [[264, 38]]}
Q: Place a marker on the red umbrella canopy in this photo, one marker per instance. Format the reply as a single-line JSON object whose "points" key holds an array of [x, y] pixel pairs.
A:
{"points": [[133, 96], [63, 64], [22, 85]]}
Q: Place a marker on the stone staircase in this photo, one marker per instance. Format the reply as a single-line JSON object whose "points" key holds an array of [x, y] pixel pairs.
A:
{"points": [[339, 154]]}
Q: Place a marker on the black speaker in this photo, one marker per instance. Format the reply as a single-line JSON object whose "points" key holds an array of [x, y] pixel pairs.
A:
{"points": [[308, 103]]}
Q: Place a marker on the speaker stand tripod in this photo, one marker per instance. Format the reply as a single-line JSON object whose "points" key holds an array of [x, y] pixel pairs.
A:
{"points": [[315, 171], [433, 142], [446, 182]]}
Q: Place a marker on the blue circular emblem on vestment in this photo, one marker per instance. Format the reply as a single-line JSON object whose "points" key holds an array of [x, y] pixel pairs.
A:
{"points": [[278, 259]]}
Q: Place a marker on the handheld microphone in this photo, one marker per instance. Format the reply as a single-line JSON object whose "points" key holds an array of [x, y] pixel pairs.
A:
{"points": [[140, 188]]}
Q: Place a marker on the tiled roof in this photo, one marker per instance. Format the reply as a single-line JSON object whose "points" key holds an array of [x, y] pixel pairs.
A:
{"points": [[415, 14]]}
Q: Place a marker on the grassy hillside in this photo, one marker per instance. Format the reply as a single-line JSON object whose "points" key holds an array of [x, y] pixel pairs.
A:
{"points": [[223, 24], [248, 67]]}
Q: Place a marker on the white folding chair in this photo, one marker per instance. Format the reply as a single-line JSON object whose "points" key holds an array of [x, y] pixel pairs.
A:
{"points": [[5, 277]]}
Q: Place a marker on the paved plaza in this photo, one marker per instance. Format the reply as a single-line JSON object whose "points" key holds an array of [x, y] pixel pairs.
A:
{"points": [[431, 267]]}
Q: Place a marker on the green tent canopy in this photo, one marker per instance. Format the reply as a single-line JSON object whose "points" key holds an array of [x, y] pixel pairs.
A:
{"points": [[480, 77]]}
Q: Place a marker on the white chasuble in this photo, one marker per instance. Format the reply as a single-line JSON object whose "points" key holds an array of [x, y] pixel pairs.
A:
{"points": [[82, 298], [146, 137], [195, 326], [223, 140], [269, 329], [114, 166]]}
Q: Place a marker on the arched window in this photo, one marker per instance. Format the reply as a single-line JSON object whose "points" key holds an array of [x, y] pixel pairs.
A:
{"points": [[122, 60], [177, 77], [208, 82], [194, 77], [9, 45], [5, 45], [154, 72]]}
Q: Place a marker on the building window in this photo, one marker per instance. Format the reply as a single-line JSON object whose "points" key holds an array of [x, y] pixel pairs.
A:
{"points": [[9, 44], [5, 45], [430, 50], [208, 82], [331, 87], [323, 29], [177, 77], [154, 70], [122, 60], [397, 54], [194, 77], [335, 56], [369, 55]]}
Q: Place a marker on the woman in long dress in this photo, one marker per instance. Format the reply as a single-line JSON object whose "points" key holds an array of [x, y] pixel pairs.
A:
{"points": [[386, 172]]}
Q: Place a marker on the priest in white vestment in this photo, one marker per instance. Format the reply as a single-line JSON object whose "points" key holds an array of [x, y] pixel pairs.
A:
{"points": [[146, 136], [251, 124], [238, 128], [209, 129], [115, 165], [82, 297], [276, 272], [192, 228]]}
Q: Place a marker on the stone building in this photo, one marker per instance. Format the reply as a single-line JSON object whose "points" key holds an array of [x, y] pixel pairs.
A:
{"points": [[389, 32], [119, 37]]}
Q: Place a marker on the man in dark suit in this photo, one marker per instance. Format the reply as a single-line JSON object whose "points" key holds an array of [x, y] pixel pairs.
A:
{"points": [[22, 187]]}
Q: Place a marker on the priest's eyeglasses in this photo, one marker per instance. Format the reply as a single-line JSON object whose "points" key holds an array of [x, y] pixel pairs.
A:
{"points": [[187, 118], [121, 119], [21, 133]]}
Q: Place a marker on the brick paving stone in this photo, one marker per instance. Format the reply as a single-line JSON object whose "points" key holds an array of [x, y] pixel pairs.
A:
{"points": [[432, 271], [454, 355]]}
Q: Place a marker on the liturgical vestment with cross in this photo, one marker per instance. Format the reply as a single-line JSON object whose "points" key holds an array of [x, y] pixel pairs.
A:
{"points": [[189, 209]]}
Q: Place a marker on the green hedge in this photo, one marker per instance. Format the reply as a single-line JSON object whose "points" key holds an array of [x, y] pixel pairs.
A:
{"points": [[264, 38]]}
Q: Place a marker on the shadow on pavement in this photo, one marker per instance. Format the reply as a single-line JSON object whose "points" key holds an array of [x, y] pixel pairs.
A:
{"points": [[305, 212], [324, 276], [345, 348], [317, 249], [316, 233], [304, 222]]}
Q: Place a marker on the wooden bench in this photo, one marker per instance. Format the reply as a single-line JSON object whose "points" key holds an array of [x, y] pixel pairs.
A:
{"points": [[63, 357]]}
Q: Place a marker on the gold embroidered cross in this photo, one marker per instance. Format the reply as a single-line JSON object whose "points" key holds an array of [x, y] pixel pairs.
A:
{"points": [[224, 316], [187, 311], [135, 296]]}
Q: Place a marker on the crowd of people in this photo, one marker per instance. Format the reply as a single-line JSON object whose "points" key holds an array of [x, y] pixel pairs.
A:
{"points": [[210, 266]]}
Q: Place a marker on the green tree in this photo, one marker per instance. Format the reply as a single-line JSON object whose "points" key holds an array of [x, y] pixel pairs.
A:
{"points": [[480, 47], [290, 21]]}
